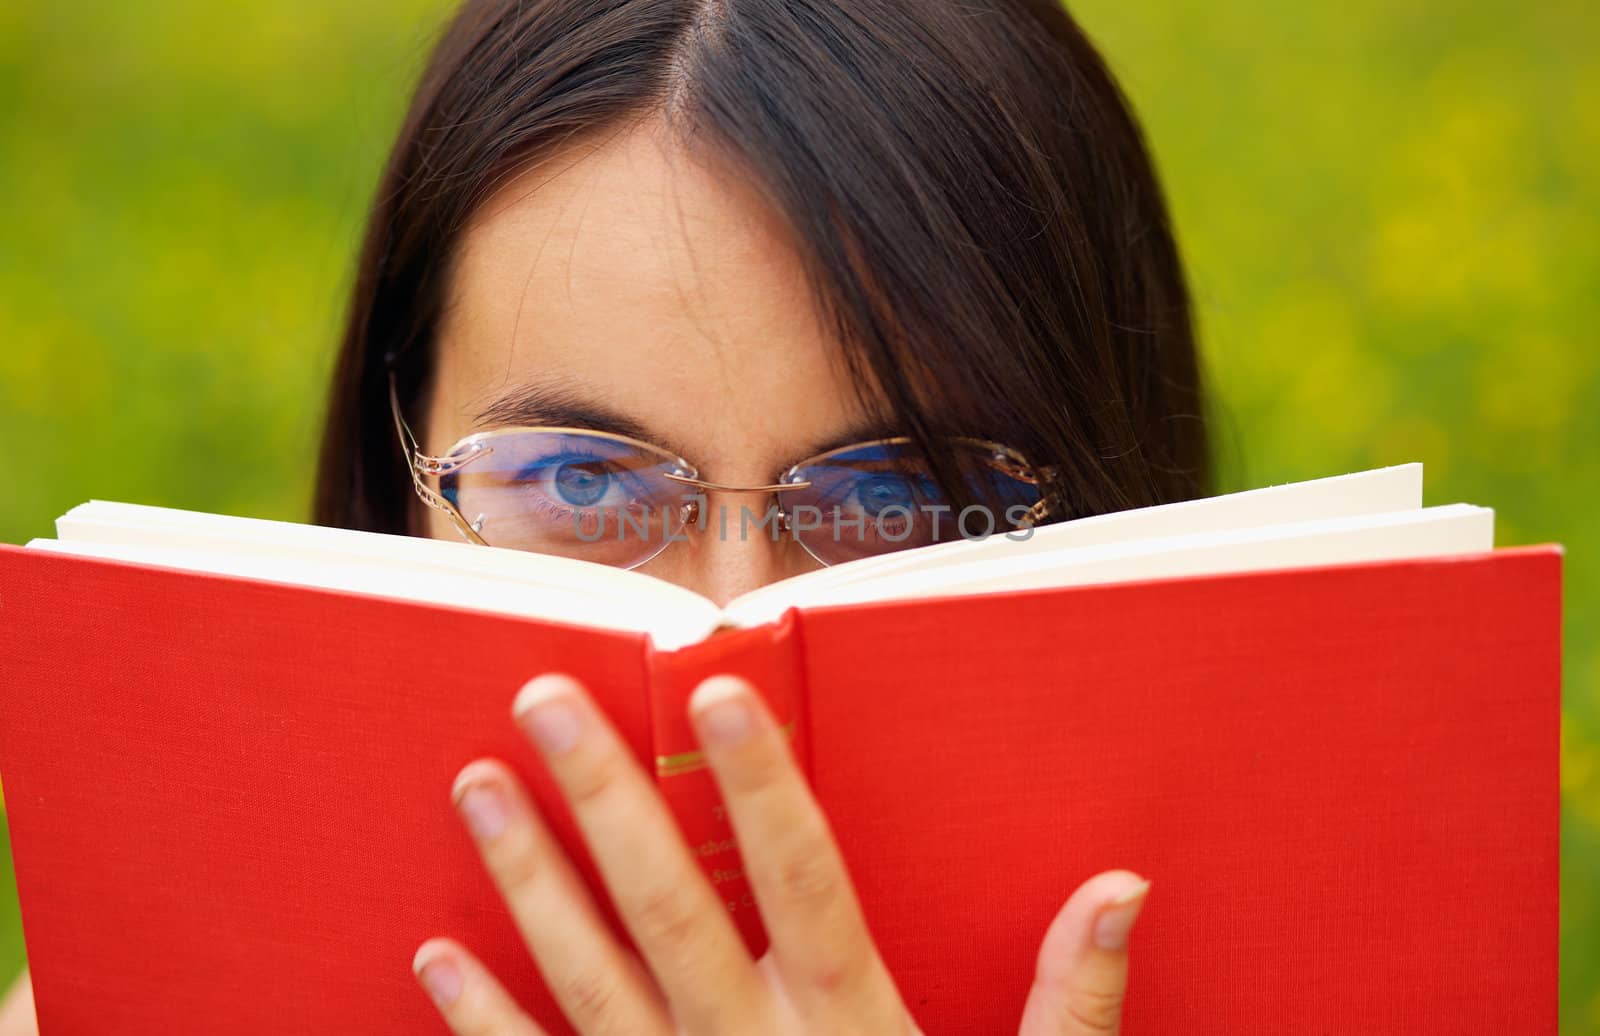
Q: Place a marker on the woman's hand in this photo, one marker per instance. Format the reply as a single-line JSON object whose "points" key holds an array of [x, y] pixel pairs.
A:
{"points": [[822, 973]]}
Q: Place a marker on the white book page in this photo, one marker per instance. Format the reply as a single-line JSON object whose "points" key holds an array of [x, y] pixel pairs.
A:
{"points": [[1381, 490], [1428, 532], [427, 584], [104, 522], [409, 567]]}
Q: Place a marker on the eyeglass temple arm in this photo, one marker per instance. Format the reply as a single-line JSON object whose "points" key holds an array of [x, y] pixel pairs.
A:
{"points": [[1047, 478], [421, 463], [417, 463], [408, 442]]}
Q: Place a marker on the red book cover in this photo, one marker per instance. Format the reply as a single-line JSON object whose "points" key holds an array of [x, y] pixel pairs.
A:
{"points": [[228, 799]]}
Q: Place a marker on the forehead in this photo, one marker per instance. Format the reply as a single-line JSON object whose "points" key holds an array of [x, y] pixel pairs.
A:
{"points": [[625, 270]]}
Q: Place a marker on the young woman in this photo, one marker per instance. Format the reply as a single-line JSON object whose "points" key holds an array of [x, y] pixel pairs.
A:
{"points": [[914, 252]]}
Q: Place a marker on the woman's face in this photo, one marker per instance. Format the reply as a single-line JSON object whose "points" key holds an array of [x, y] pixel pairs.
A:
{"points": [[639, 283]]}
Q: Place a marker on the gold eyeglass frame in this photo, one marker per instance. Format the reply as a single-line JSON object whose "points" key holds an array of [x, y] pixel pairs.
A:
{"points": [[480, 444]]}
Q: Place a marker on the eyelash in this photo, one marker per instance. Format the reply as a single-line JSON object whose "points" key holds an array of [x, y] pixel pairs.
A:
{"points": [[556, 462]]}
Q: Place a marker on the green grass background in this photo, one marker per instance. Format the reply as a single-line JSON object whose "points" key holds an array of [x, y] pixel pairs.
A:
{"points": [[1390, 211]]}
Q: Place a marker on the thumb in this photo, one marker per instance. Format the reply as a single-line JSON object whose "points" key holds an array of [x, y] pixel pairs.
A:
{"points": [[1082, 971]]}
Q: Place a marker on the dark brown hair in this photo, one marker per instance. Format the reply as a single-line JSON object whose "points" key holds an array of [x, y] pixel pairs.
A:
{"points": [[963, 178]]}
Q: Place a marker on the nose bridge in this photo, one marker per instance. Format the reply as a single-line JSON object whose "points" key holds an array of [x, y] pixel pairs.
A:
{"points": [[736, 546]]}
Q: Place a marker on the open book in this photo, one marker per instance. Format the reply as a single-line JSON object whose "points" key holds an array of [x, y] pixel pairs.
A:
{"points": [[1321, 717]]}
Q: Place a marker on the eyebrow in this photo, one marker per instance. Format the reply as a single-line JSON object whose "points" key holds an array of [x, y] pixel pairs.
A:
{"points": [[563, 407], [867, 430], [555, 405]]}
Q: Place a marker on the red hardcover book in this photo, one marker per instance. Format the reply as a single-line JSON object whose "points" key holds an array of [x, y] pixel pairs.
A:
{"points": [[228, 796]]}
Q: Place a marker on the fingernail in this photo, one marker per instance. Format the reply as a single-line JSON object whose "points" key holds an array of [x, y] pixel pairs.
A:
{"points": [[721, 708], [546, 709], [484, 809], [441, 978], [1116, 918]]}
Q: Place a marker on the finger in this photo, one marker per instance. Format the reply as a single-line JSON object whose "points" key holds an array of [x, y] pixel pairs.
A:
{"points": [[17, 1016], [1082, 974], [813, 919], [663, 897], [472, 1002], [597, 981]]}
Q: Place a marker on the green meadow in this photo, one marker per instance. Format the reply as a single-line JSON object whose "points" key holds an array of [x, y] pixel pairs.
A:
{"points": [[1390, 213]]}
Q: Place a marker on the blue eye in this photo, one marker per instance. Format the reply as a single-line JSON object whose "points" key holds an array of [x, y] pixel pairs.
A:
{"points": [[880, 491], [579, 480], [580, 484]]}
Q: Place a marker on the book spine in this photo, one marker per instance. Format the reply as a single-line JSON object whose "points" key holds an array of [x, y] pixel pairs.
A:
{"points": [[768, 656]]}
